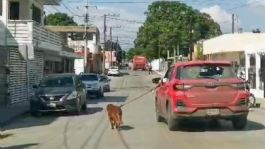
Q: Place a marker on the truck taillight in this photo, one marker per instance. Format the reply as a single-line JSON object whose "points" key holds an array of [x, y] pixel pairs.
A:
{"points": [[182, 87], [240, 86]]}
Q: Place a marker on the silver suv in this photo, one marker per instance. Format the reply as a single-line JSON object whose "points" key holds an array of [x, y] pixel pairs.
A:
{"points": [[94, 84]]}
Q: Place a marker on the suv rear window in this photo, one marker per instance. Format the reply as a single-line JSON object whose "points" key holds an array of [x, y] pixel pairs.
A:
{"points": [[207, 71], [89, 78], [57, 82]]}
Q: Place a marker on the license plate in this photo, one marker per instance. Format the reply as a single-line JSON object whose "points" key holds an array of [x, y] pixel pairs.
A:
{"points": [[213, 112], [52, 105]]}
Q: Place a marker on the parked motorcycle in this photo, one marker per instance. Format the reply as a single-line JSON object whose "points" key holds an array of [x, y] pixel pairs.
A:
{"points": [[252, 99]]}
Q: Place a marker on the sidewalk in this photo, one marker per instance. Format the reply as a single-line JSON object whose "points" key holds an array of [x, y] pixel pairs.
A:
{"points": [[261, 101], [10, 112]]}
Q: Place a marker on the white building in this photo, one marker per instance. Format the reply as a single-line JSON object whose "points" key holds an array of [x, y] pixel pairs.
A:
{"points": [[247, 50], [75, 40], [27, 48]]}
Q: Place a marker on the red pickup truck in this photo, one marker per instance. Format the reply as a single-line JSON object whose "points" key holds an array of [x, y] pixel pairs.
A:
{"points": [[139, 62], [201, 89]]}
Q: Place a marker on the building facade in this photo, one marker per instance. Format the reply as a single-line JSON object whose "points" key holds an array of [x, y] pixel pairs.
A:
{"points": [[27, 48], [75, 40], [247, 53]]}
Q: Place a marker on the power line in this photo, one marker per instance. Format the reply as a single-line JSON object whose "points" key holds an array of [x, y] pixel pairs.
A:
{"points": [[67, 8], [126, 20], [116, 2], [120, 2]]}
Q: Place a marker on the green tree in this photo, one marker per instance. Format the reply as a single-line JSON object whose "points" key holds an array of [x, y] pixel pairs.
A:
{"points": [[59, 19], [199, 55], [170, 23]]}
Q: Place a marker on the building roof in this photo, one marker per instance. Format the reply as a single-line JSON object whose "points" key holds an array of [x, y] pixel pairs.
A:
{"points": [[243, 42], [51, 2], [199, 62], [72, 29]]}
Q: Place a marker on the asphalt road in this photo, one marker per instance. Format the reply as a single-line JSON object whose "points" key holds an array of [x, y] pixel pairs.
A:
{"points": [[91, 130]]}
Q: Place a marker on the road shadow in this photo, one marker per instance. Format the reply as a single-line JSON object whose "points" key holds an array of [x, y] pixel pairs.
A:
{"points": [[26, 120], [108, 99], [126, 128], [220, 125], [20, 146], [93, 110], [125, 73], [3, 136]]}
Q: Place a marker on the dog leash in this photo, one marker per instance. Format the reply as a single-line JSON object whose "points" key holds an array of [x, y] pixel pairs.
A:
{"points": [[139, 97]]}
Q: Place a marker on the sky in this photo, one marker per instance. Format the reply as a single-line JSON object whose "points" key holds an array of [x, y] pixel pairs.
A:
{"points": [[128, 17]]}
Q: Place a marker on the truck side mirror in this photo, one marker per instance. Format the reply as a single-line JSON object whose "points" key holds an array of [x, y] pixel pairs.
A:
{"points": [[156, 80]]}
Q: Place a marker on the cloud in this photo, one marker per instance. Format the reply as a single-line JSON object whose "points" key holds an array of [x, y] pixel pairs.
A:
{"points": [[127, 31], [221, 16], [256, 3]]}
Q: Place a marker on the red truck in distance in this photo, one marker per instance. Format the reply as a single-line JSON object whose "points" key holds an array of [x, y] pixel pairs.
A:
{"points": [[139, 62]]}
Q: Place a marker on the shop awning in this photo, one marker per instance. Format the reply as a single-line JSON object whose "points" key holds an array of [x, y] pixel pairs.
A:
{"points": [[70, 55]]}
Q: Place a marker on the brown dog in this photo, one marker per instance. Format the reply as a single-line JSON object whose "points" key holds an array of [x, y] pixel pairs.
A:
{"points": [[115, 115]]}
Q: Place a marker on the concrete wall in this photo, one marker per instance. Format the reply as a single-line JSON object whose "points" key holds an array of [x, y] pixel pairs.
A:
{"points": [[231, 56], [2, 32], [1, 8], [91, 44]]}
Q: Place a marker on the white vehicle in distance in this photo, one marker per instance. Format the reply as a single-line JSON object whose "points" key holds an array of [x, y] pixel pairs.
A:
{"points": [[114, 71]]}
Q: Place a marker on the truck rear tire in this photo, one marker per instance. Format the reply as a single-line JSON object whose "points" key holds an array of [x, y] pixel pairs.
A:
{"points": [[171, 122], [240, 122]]}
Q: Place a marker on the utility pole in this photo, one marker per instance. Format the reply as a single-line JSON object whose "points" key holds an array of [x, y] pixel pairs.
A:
{"points": [[105, 30], [111, 47], [118, 54], [85, 48], [191, 43], [104, 49], [233, 23]]}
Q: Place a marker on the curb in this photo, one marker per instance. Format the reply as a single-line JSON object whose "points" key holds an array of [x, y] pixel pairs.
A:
{"points": [[12, 112], [12, 119], [261, 101]]}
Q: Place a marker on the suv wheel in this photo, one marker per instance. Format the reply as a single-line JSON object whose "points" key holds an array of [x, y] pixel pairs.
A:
{"points": [[171, 122], [100, 93], [158, 117], [239, 122], [84, 106]]}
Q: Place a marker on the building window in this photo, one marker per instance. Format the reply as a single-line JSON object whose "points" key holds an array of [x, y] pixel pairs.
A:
{"points": [[252, 72], [14, 11], [1, 8], [36, 14]]}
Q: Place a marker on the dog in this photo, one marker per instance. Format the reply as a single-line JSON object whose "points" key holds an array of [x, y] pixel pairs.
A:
{"points": [[115, 116]]}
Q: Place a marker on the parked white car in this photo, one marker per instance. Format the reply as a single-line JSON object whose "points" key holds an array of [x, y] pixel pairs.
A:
{"points": [[94, 84], [114, 71]]}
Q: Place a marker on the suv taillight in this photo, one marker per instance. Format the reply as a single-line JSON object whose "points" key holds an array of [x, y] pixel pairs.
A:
{"points": [[182, 87]]}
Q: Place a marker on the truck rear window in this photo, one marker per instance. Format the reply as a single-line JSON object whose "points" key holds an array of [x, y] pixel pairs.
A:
{"points": [[206, 71]]}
